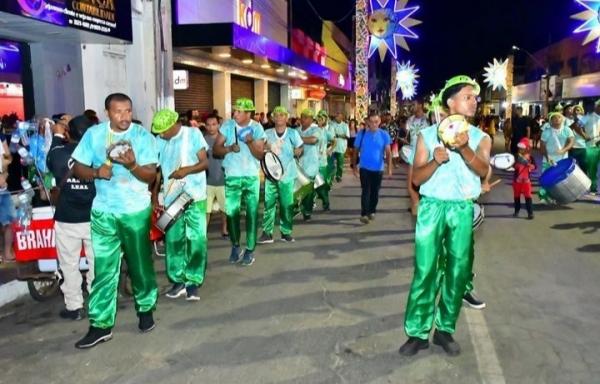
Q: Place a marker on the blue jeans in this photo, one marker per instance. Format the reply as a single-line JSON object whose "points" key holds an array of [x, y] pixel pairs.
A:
{"points": [[7, 214]]}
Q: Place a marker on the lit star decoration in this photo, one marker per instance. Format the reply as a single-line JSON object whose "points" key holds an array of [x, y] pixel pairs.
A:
{"points": [[389, 25], [495, 74], [591, 19], [406, 79]]}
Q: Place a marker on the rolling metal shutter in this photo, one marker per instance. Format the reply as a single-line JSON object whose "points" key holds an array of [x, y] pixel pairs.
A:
{"points": [[199, 95], [241, 87]]}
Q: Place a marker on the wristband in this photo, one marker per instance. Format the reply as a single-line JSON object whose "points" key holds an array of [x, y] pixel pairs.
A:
{"points": [[134, 168]]}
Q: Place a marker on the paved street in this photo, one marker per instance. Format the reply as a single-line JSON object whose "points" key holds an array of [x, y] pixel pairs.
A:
{"points": [[329, 308]]}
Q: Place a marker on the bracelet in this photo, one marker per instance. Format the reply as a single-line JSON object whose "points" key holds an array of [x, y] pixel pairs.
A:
{"points": [[472, 159], [134, 168], [95, 173]]}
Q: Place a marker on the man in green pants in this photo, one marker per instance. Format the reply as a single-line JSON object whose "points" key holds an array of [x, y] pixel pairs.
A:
{"points": [[342, 133], [120, 217], [287, 145], [242, 144], [449, 180], [182, 156], [325, 149], [311, 135]]}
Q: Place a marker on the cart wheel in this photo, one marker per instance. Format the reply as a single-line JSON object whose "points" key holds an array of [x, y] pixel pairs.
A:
{"points": [[43, 290]]}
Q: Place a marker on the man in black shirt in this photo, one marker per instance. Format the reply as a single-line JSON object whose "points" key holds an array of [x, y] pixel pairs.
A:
{"points": [[521, 127], [72, 215]]}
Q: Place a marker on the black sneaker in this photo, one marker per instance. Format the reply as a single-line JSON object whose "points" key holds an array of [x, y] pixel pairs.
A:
{"points": [[307, 217], [287, 238], [76, 314], [364, 220], [371, 216], [176, 291], [265, 239], [192, 293], [146, 323], [94, 337], [412, 346], [248, 258], [530, 217], [446, 341], [326, 208], [234, 256], [516, 214], [473, 301]]}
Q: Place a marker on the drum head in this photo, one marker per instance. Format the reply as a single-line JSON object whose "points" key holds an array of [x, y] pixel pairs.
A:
{"points": [[557, 173], [272, 167], [502, 161], [450, 127]]}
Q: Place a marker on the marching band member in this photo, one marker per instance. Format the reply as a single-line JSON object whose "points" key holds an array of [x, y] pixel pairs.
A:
{"points": [[342, 134], [449, 181], [242, 144], [120, 218], [326, 147], [287, 145], [556, 143], [311, 135], [182, 156]]}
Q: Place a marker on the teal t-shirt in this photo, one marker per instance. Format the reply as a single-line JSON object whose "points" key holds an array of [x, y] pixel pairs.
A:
{"points": [[591, 123], [242, 163], [123, 193], [453, 180], [310, 157], [340, 129], [328, 137], [555, 139], [415, 125], [182, 151], [284, 146]]}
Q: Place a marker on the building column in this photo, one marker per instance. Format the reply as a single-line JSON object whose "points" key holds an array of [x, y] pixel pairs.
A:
{"points": [[261, 96], [222, 93], [284, 96]]}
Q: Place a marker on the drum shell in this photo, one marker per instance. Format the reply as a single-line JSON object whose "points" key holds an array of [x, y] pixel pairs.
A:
{"points": [[478, 215], [173, 212], [319, 181], [301, 179], [567, 190]]}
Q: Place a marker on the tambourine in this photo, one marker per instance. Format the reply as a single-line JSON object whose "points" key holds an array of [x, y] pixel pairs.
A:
{"points": [[117, 149], [503, 161], [450, 127]]}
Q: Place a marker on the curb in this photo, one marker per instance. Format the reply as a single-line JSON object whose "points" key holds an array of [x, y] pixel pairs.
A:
{"points": [[12, 291]]}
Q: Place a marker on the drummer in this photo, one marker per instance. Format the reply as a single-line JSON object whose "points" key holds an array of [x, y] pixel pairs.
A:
{"points": [[326, 147], [556, 142], [182, 156], [242, 144], [311, 136], [449, 181], [286, 143]]}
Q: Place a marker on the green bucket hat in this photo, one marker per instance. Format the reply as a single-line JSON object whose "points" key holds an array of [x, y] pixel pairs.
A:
{"points": [[308, 113], [461, 79], [323, 114], [163, 120], [280, 109], [244, 105]]}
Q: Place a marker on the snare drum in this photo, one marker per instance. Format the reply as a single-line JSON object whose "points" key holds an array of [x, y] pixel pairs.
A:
{"points": [[478, 215], [272, 167], [174, 211], [565, 182]]}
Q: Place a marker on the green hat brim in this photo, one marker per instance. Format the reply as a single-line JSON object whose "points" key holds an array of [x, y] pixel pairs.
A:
{"points": [[163, 120], [460, 80]]}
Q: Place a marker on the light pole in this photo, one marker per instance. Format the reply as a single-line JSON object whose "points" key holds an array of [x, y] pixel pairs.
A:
{"points": [[546, 75]]}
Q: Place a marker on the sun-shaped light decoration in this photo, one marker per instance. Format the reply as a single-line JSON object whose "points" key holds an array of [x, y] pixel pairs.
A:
{"points": [[591, 18], [406, 79], [495, 74], [389, 25], [408, 92]]}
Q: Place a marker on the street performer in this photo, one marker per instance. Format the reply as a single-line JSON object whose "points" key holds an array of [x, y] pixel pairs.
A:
{"points": [[311, 136], [182, 156], [326, 147], [449, 181], [242, 144], [287, 145], [120, 157]]}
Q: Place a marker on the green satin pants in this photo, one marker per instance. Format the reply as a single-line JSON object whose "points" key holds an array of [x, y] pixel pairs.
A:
{"points": [[592, 157], [323, 190], [185, 246], [308, 200], [542, 193], [114, 235], [282, 192], [439, 223], [442, 266], [338, 167], [246, 188]]}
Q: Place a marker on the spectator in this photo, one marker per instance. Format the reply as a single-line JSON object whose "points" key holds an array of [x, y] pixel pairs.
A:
{"points": [[6, 205], [215, 178]]}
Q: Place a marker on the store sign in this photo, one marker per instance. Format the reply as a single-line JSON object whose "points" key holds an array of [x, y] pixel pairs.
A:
{"points": [[247, 16], [297, 94], [105, 17], [181, 80]]}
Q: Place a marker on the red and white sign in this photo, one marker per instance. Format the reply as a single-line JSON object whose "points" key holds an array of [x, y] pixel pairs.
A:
{"points": [[36, 242]]}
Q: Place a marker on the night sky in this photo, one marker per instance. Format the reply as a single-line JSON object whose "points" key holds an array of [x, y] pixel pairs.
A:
{"points": [[461, 36]]}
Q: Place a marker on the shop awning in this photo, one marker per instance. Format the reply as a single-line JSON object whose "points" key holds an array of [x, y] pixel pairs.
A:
{"points": [[581, 86]]}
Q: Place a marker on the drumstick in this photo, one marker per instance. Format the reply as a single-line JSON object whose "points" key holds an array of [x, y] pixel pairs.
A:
{"points": [[492, 185]]}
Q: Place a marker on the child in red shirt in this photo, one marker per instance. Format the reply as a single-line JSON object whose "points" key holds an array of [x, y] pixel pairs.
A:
{"points": [[524, 165]]}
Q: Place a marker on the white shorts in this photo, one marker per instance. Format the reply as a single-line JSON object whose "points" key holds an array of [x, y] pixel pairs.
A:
{"points": [[215, 193]]}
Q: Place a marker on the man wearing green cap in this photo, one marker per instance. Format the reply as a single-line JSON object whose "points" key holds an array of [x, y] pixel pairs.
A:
{"points": [[182, 156], [326, 146], [342, 134], [287, 145], [591, 126], [449, 180], [120, 217], [311, 135], [242, 144]]}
